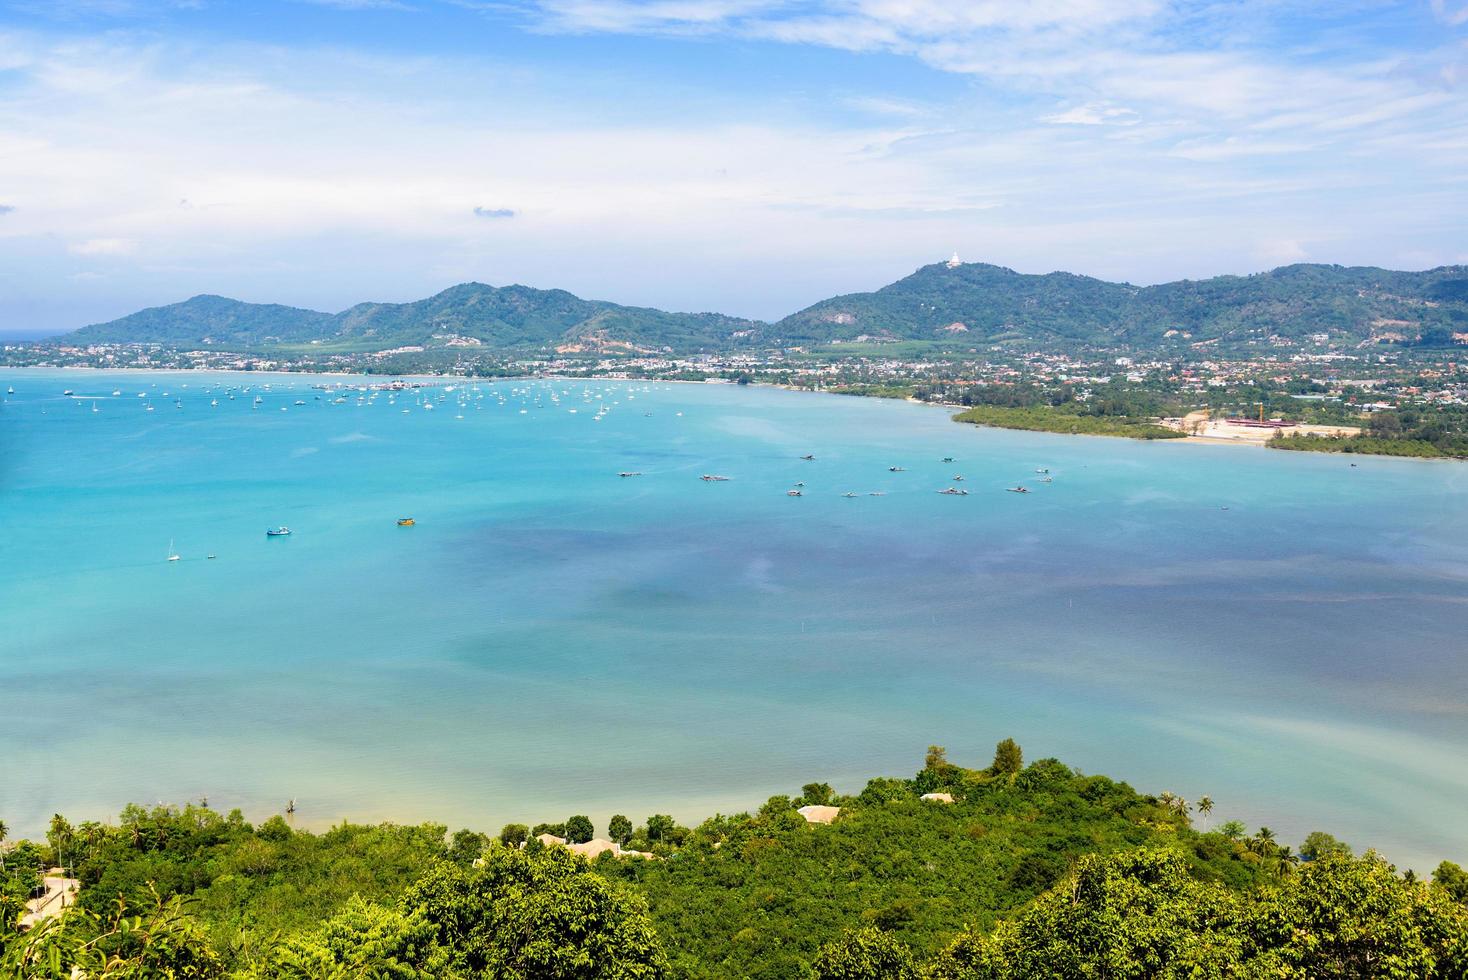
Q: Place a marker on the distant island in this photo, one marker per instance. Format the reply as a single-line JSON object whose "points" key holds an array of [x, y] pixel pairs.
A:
{"points": [[1005, 872]]}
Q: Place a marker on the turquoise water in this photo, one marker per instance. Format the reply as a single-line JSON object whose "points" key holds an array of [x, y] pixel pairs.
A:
{"points": [[551, 639]]}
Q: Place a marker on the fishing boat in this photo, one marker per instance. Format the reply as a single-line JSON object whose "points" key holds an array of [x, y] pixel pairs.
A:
{"points": [[629, 473], [947, 459], [895, 469], [1016, 489], [406, 522], [954, 492], [1042, 470], [793, 493], [278, 532], [713, 478]]}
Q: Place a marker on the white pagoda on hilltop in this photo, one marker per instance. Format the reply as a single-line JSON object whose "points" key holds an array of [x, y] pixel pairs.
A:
{"points": [[954, 262]]}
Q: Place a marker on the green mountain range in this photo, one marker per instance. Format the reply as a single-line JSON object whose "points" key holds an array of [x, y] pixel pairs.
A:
{"points": [[960, 305]]}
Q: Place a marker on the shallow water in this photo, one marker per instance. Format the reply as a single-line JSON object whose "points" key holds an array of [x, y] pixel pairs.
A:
{"points": [[550, 638]]}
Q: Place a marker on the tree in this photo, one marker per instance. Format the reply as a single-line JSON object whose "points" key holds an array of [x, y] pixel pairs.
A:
{"points": [[1008, 759], [514, 834], [1318, 844], [660, 827], [864, 954], [1232, 829], [542, 914], [60, 836], [579, 829], [1129, 916], [819, 794], [362, 940], [152, 939], [3, 831], [1205, 807], [619, 828], [466, 845], [1453, 880]]}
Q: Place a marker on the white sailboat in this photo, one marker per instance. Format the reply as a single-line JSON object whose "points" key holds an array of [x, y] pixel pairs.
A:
{"points": [[172, 555]]}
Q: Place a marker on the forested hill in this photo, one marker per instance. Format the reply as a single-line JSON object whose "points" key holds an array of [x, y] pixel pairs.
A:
{"points": [[988, 304], [1009, 872], [961, 305], [468, 315]]}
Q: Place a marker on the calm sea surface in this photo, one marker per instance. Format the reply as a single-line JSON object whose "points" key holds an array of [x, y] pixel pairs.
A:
{"points": [[1283, 632]]}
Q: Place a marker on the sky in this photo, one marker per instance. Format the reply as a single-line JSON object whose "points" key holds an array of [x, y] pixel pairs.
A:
{"points": [[744, 156]]}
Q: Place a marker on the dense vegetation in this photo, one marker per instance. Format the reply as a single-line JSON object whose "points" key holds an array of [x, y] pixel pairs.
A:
{"points": [[965, 305], [977, 303], [1437, 434], [470, 314], [1030, 871], [1044, 418]]}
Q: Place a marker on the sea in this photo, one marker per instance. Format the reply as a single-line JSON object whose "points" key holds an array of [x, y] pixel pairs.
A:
{"points": [[1282, 632]]}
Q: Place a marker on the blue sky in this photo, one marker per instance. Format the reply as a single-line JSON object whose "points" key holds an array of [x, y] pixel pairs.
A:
{"points": [[746, 156]]}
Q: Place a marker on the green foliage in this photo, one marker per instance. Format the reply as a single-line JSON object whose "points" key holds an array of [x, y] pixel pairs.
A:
{"points": [[619, 828], [363, 940], [1047, 419], [1318, 844], [579, 829], [1008, 759], [514, 834], [865, 954], [127, 941], [542, 914], [819, 794], [1453, 880]]}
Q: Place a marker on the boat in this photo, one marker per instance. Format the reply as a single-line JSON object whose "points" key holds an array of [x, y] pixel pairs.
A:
{"points": [[68, 392], [1042, 470], [278, 532], [849, 493], [947, 459], [895, 469], [1016, 489], [406, 522], [1047, 480], [958, 478], [172, 555], [713, 478], [877, 493], [116, 392], [808, 456], [793, 493], [954, 492], [629, 473], [10, 390]]}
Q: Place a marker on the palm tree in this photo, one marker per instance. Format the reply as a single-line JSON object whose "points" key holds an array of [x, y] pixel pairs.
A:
{"points": [[1205, 807], [1287, 860], [3, 831]]}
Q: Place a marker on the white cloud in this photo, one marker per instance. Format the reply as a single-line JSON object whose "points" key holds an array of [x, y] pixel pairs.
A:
{"points": [[104, 246], [1093, 114]]}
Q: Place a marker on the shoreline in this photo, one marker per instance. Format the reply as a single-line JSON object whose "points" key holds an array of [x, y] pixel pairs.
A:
{"points": [[956, 408]]}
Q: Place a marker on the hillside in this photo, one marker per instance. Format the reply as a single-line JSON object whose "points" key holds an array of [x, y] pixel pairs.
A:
{"points": [[468, 315], [959, 305], [978, 303], [1013, 871]]}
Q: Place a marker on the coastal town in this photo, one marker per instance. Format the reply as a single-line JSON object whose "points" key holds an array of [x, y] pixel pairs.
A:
{"points": [[1248, 397]]}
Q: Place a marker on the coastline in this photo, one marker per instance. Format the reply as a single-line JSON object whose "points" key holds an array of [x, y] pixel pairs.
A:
{"points": [[955, 408]]}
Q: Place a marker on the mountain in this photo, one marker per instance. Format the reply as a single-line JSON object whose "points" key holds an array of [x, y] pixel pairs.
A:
{"points": [[964, 304], [978, 303], [468, 315]]}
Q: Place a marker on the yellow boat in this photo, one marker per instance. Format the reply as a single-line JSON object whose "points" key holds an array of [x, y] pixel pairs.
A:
{"points": [[405, 522]]}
